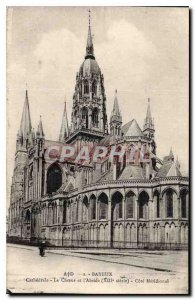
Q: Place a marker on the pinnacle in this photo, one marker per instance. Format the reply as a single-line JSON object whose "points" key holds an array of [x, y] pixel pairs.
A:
{"points": [[25, 125]]}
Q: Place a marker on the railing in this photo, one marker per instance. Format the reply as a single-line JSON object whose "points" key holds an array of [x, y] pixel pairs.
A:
{"points": [[99, 244], [137, 181]]}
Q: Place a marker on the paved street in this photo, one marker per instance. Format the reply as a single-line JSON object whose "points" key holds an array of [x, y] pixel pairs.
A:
{"points": [[89, 271]]}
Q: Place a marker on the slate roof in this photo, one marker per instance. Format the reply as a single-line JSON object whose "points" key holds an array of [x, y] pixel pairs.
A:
{"points": [[106, 176], [132, 172], [168, 169], [132, 129]]}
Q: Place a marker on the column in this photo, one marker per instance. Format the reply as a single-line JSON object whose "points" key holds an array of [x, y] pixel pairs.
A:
{"points": [[136, 217], [178, 208], [124, 217], [71, 222], [97, 217], [187, 205], [175, 212], [150, 232], [40, 178], [89, 218], [26, 182], [109, 223], [81, 220]]}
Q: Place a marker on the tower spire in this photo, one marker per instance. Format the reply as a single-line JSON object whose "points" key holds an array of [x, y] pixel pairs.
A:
{"points": [[40, 132], [115, 111], [171, 153], [148, 122], [64, 131], [148, 114], [89, 47], [115, 119], [25, 124]]}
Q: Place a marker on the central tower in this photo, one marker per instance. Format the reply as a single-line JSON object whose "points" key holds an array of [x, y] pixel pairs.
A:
{"points": [[89, 118]]}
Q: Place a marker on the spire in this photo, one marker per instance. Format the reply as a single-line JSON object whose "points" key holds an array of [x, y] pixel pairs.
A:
{"points": [[115, 111], [115, 119], [148, 122], [25, 125], [40, 132], [148, 114], [171, 154], [64, 131], [89, 47]]}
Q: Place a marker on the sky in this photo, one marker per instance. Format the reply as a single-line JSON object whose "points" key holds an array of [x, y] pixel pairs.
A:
{"points": [[142, 52]]}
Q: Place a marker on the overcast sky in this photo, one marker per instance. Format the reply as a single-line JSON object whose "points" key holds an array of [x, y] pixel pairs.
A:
{"points": [[142, 52]]}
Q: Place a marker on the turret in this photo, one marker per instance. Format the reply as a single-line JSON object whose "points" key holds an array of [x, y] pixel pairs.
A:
{"points": [[171, 155], [24, 132], [148, 128], [40, 133], [64, 131], [40, 136], [115, 119]]}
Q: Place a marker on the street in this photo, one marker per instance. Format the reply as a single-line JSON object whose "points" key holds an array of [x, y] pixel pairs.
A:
{"points": [[96, 271]]}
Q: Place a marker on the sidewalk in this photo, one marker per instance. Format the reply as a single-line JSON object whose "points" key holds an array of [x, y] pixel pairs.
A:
{"points": [[163, 261]]}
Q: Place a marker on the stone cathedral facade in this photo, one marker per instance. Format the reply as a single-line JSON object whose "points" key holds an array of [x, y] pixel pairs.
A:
{"points": [[131, 204]]}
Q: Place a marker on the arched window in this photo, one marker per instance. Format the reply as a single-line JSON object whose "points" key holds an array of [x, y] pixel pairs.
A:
{"points": [[117, 206], [129, 205], [94, 87], [93, 207], [85, 117], [54, 178], [183, 204], [103, 206], [143, 205], [95, 117], [86, 87], [85, 209], [169, 201]]}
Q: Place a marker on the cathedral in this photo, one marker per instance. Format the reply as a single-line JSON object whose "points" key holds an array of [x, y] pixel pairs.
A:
{"points": [[141, 202]]}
